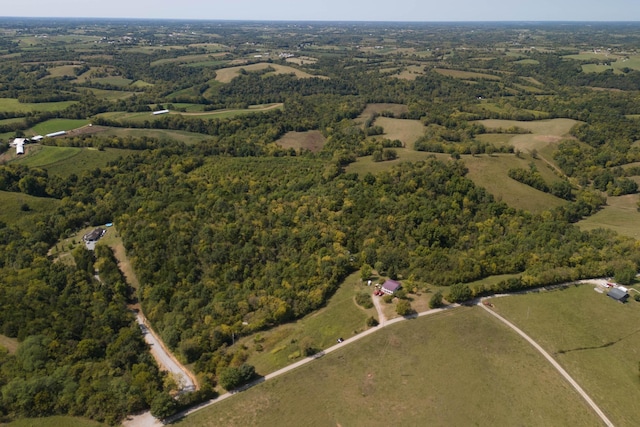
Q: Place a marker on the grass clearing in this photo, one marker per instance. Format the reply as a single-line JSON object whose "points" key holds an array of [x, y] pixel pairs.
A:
{"points": [[12, 204], [466, 74], [160, 134], [341, 317], [407, 131], [118, 81], [312, 140], [12, 104], [595, 338], [366, 164], [620, 215], [225, 75], [111, 95], [42, 155], [11, 344], [453, 369], [379, 108], [491, 172], [56, 125], [57, 421]]}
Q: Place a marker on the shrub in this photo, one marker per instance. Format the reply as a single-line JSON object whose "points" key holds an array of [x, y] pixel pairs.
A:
{"points": [[372, 321], [403, 308], [436, 300], [364, 300]]}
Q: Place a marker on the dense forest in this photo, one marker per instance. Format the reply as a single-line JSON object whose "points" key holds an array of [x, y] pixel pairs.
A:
{"points": [[234, 233]]}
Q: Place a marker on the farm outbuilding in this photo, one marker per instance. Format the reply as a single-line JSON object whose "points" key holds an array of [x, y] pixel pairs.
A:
{"points": [[157, 113], [54, 134], [390, 287], [618, 294]]}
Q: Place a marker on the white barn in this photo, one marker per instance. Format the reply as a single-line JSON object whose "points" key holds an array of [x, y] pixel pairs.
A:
{"points": [[156, 113]]}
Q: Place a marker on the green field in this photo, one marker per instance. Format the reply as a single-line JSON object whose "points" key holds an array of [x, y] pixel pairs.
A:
{"points": [[217, 114], [340, 318], [111, 94], [595, 338], [13, 120], [456, 368], [11, 203], [113, 80], [160, 134], [57, 421], [56, 125], [620, 215], [64, 161], [12, 104]]}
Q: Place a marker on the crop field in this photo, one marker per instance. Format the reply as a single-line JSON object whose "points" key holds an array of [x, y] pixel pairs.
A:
{"points": [[311, 140], [55, 125], [12, 104], [456, 368], [12, 204], [620, 215], [341, 317], [466, 74], [595, 338], [57, 421], [225, 75]]}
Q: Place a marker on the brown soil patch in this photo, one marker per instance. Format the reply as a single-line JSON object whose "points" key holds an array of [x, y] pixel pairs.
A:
{"points": [[311, 140]]}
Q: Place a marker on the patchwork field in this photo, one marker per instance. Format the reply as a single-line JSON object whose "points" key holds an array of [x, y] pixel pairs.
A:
{"points": [[311, 140], [12, 104], [225, 75], [620, 215], [595, 338], [456, 368]]}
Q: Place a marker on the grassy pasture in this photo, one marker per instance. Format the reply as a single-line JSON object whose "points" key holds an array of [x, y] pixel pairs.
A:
{"points": [[452, 369], [465, 74], [366, 164], [161, 134], [118, 81], [302, 60], [55, 125], [57, 421], [210, 63], [62, 71], [187, 59], [379, 108], [225, 75], [217, 114], [620, 215], [12, 202], [593, 337], [42, 155], [11, 344], [11, 121], [12, 104], [111, 94], [490, 172], [341, 317], [410, 72], [543, 132], [407, 131], [311, 140]]}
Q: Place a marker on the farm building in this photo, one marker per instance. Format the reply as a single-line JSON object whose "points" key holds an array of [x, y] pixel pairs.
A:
{"points": [[54, 134], [37, 138], [157, 113], [618, 294], [94, 235], [390, 287], [19, 144]]}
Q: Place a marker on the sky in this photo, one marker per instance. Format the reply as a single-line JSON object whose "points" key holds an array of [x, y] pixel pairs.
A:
{"points": [[334, 10]]}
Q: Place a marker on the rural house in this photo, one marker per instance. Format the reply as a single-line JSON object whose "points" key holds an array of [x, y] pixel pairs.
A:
{"points": [[389, 287], [94, 235]]}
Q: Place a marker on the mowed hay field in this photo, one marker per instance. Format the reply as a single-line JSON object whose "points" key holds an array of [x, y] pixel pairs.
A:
{"points": [[595, 338], [456, 368], [620, 215], [12, 104], [12, 203], [225, 75], [407, 131], [311, 140]]}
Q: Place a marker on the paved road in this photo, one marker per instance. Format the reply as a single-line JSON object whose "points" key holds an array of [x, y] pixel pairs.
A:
{"points": [[555, 364]]}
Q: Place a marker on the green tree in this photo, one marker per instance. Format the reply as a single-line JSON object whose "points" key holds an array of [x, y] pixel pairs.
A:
{"points": [[365, 272], [403, 308], [436, 300], [459, 292], [625, 274]]}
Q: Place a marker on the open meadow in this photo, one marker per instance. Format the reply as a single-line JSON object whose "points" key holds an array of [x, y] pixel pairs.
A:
{"points": [[594, 338], [20, 208], [225, 75], [312, 140], [13, 105], [620, 215], [56, 125], [460, 367]]}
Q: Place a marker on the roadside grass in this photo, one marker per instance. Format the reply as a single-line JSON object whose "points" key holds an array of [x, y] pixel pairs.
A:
{"points": [[12, 104], [595, 338], [465, 74], [11, 212], [55, 125], [11, 344], [620, 215], [225, 75], [455, 368], [311, 140], [341, 317], [57, 421]]}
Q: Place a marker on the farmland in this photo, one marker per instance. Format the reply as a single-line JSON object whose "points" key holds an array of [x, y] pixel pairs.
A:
{"points": [[463, 387]]}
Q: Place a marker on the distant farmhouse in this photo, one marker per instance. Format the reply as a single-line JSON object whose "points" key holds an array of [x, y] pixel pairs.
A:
{"points": [[390, 287], [19, 144]]}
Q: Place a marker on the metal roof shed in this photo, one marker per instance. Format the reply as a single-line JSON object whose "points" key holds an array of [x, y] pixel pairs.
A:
{"points": [[618, 295]]}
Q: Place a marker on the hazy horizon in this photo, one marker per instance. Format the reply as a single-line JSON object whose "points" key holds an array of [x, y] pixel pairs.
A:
{"points": [[336, 11]]}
